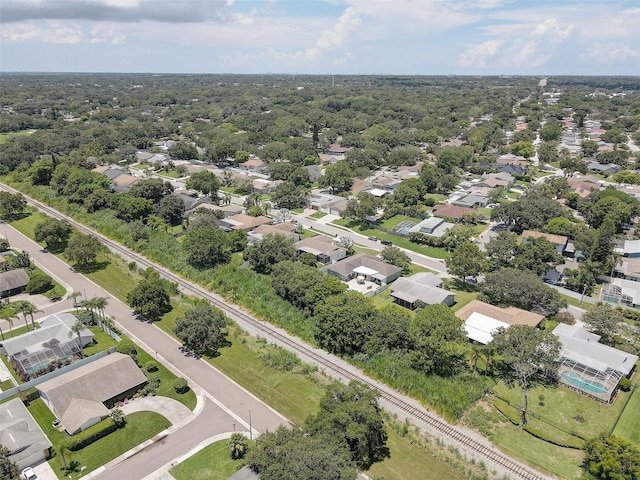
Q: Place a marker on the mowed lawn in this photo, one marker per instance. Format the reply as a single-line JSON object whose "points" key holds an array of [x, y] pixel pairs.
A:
{"points": [[628, 425], [211, 463]]}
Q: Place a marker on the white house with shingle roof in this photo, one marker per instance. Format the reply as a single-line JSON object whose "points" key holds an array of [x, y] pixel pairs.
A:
{"points": [[82, 397], [21, 435]]}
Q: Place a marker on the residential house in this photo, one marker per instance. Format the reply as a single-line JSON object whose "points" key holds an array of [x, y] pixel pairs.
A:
{"points": [[511, 159], [628, 268], [315, 173], [336, 149], [54, 342], [22, 436], [13, 282], [608, 169], [494, 180], [322, 248], [327, 203], [254, 164], [629, 249], [420, 289], [470, 200], [452, 212], [82, 397], [587, 365], [511, 169], [287, 229], [326, 158], [264, 186], [482, 320], [364, 273], [228, 210], [562, 243], [581, 187], [243, 222], [433, 226], [190, 201]]}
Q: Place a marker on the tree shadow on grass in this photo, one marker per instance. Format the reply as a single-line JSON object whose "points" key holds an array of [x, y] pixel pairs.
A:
{"points": [[90, 267], [457, 284], [57, 248]]}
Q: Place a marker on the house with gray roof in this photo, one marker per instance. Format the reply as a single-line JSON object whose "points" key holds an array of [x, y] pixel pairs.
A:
{"points": [[322, 248], [423, 288], [82, 397], [21, 435], [587, 365], [364, 266], [433, 226], [53, 342], [13, 282], [471, 200]]}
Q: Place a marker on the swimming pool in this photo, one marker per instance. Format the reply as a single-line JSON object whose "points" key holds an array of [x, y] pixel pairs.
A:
{"points": [[34, 368], [574, 379]]}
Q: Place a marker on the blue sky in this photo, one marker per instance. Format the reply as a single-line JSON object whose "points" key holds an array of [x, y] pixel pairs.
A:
{"points": [[428, 37]]}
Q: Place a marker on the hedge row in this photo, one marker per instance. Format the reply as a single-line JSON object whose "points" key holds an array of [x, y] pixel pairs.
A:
{"points": [[92, 434], [512, 414], [569, 442]]}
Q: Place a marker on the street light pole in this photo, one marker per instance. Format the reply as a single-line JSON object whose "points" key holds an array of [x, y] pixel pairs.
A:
{"points": [[250, 428]]}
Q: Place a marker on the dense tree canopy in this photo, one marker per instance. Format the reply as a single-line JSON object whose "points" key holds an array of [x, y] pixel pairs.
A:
{"points": [[202, 328], [612, 458], [206, 247], [83, 249], [150, 297], [266, 253], [52, 232]]}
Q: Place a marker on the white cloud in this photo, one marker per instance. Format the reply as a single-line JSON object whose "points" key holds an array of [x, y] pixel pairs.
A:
{"points": [[51, 32], [608, 53], [478, 55]]}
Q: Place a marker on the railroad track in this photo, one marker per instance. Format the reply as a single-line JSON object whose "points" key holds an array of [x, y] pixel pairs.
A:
{"points": [[493, 455]]}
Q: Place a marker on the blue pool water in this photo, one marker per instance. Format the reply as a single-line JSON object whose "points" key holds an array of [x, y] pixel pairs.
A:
{"points": [[572, 378], [403, 231], [34, 368]]}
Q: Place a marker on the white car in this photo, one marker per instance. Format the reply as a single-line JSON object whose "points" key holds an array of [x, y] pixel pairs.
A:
{"points": [[29, 474]]}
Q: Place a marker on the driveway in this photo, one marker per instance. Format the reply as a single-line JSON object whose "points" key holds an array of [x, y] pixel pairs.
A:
{"points": [[169, 408]]}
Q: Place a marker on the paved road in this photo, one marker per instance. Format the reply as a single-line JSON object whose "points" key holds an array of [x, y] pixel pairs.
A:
{"points": [[233, 404]]}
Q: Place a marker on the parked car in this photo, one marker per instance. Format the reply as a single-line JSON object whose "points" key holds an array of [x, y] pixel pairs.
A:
{"points": [[29, 474], [386, 242], [373, 239]]}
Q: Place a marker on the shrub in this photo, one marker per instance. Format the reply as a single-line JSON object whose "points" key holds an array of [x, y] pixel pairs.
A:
{"points": [[151, 387], [39, 283], [181, 386], [92, 434], [132, 266], [151, 366], [625, 384], [569, 441], [127, 347]]}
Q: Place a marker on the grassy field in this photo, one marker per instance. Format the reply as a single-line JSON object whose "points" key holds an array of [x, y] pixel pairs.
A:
{"points": [[563, 462], [211, 463], [6, 136], [561, 405], [628, 425], [102, 341], [407, 460], [293, 395], [393, 221], [397, 241]]}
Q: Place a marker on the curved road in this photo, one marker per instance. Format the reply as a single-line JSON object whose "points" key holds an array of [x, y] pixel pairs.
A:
{"points": [[470, 442]]}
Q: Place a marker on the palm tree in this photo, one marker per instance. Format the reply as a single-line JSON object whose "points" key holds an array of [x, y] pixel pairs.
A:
{"points": [[73, 297], [99, 304], [8, 314], [62, 449], [238, 445], [28, 308], [77, 328], [117, 417]]}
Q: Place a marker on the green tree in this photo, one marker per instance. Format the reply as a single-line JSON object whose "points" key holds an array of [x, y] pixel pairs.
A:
{"points": [[363, 208], [202, 329], [603, 320], [171, 210], [150, 297], [77, 328], [352, 414], [550, 132], [8, 469], [11, 205], [133, 208], [457, 235], [344, 322], [501, 249], [152, 189], [609, 457], [291, 454], [532, 211], [521, 289], [393, 255], [52, 232], [337, 176], [204, 182], [83, 249], [589, 147], [467, 260], [527, 351], [437, 337], [39, 282], [266, 253], [206, 247], [524, 149], [537, 255], [561, 226]]}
